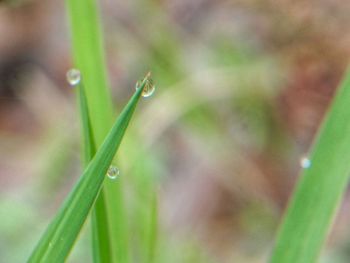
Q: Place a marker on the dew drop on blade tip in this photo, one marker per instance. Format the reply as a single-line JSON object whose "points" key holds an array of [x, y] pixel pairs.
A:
{"points": [[149, 86], [113, 172], [73, 76], [305, 163]]}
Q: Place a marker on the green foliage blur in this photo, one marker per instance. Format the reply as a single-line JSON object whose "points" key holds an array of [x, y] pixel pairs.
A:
{"points": [[241, 88]]}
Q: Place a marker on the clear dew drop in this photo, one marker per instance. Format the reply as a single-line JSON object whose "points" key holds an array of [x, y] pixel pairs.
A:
{"points": [[148, 90], [73, 76], [149, 87], [305, 162], [112, 172]]}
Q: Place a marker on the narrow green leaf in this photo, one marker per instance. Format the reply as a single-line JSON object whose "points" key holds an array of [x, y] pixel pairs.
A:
{"points": [[60, 235], [101, 249], [87, 47], [88, 135], [101, 245], [320, 188]]}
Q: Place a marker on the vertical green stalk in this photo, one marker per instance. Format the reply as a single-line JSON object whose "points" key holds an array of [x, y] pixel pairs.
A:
{"points": [[89, 59], [100, 233], [320, 189]]}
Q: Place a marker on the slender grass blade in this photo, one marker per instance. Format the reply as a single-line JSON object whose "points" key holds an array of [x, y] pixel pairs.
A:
{"points": [[60, 235], [320, 188]]}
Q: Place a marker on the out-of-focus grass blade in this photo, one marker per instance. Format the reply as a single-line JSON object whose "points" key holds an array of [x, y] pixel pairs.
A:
{"points": [[60, 235], [89, 59], [320, 189], [144, 179], [152, 231], [100, 232]]}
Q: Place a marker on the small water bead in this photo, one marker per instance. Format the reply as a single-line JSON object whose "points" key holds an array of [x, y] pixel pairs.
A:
{"points": [[149, 87], [113, 172], [73, 76], [305, 162]]}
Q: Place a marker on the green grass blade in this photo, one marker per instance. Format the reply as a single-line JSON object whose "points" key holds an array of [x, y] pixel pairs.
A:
{"points": [[320, 189], [89, 144], [60, 235], [89, 59], [101, 247]]}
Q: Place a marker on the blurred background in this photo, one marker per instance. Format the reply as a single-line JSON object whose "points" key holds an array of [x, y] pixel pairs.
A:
{"points": [[242, 86]]}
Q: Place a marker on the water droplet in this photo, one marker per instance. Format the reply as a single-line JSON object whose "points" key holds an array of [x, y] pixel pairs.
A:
{"points": [[73, 76], [113, 172], [149, 87], [305, 162]]}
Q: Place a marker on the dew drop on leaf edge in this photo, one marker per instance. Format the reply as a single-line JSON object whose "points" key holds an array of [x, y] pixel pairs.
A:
{"points": [[112, 172], [73, 76], [305, 162]]}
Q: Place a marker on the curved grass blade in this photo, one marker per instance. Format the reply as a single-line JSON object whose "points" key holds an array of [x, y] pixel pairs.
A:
{"points": [[101, 250], [320, 189], [57, 241]]}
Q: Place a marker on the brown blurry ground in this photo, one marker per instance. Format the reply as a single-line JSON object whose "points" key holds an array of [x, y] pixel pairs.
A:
{"points": [[229, 195]]}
